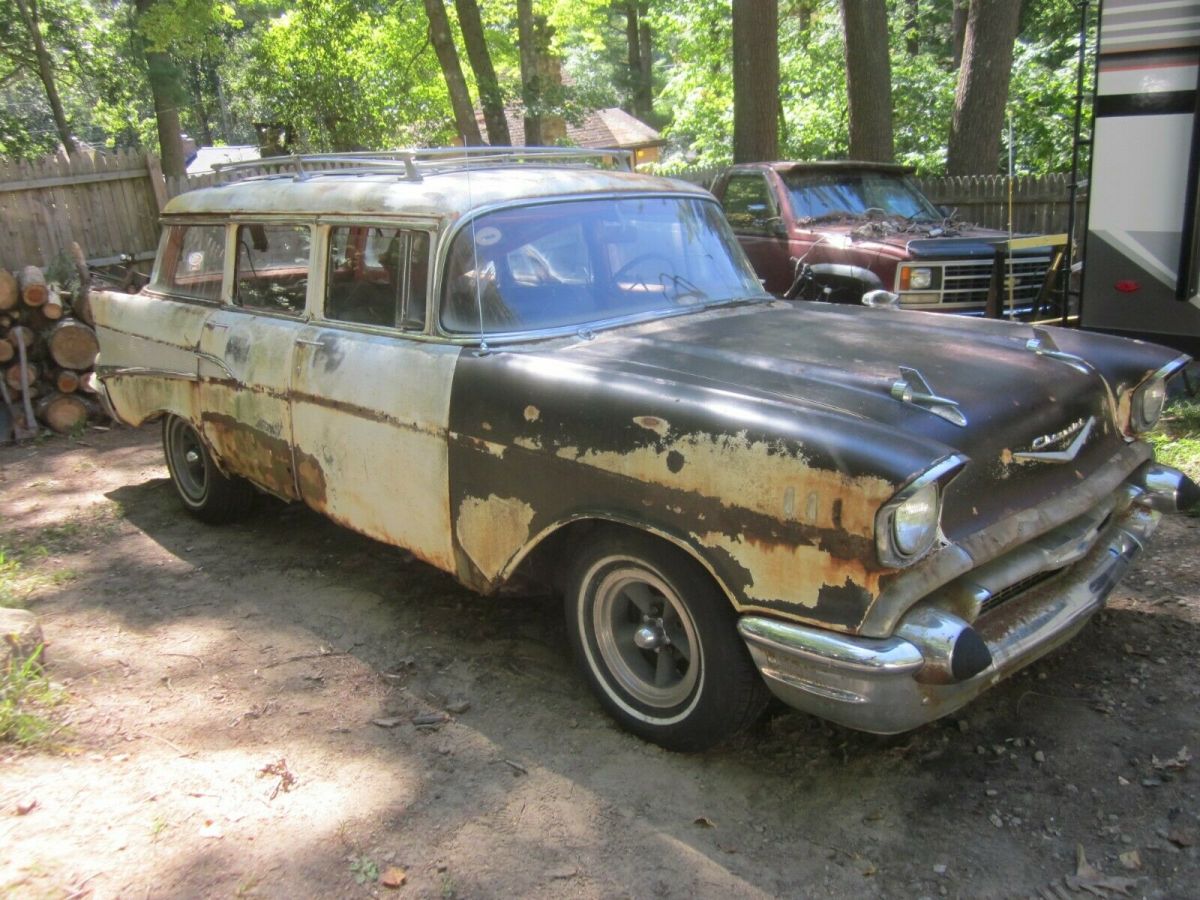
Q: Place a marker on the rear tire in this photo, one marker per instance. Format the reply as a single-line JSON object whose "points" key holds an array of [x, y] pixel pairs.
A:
{"points": [[658, 643], [203, 489]]}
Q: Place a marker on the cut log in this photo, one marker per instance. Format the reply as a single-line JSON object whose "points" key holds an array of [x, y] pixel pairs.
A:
{"points": [[82, 302], [7, 350], [54, 308], [33, 286], [12, 376], [9, 292], [73, 345], [62, 413], [67, 381]]}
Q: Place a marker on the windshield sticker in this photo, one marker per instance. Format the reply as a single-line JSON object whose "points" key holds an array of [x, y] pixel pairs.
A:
{"points": [[487, 236]]}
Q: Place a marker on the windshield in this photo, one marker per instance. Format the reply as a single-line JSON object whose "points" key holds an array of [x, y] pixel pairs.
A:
{"points": [[559, 265], [818, 196]]}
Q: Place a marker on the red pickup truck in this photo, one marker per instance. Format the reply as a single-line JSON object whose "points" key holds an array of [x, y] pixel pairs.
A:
{"points": [[836, 230]]}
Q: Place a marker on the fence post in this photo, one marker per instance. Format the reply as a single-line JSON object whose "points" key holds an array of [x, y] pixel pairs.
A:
{"points": [[157, 184]]}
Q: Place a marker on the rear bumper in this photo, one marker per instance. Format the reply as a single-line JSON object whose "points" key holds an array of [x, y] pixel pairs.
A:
{"points": [[893, 684]]}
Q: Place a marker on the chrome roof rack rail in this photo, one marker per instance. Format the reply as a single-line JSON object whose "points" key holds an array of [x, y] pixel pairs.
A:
{"points": [[413, 165]]}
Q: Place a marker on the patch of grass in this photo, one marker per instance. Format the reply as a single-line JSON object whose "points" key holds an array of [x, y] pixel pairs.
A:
{"points": [[364, 869], [1177, 439], [26, 697], [20, 581]]}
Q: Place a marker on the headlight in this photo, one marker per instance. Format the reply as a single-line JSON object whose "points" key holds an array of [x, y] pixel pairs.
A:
{"points": [[906, 527], [915, 279], [1147, 405], [914, 523]]}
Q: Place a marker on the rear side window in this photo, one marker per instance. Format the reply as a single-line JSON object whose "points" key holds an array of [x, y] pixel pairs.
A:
{"points": [[272, 267], [192, 261], [377, 276]]}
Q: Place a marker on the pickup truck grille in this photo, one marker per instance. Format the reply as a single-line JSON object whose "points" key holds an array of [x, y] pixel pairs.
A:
{"points": [[967, 282]]}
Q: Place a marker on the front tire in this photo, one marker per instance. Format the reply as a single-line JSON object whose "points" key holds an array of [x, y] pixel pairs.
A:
{"points": [[658, 643], [205, 491]]}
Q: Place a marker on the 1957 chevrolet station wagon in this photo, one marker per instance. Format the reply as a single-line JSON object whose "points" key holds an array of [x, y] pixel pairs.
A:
{"points": [[520, 366]]}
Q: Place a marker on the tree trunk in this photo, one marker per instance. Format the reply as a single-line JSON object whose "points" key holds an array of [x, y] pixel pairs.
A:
{"points": [[639, 41], [912, 32], [46, 74], [530, 82], [447, 54], [982, 93], [868, 79], [958, 31], [164, 88], [755, 80], [490, 97]]}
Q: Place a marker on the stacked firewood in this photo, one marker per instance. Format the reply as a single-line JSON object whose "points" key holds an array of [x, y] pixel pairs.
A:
{"points": [[48, 350]]}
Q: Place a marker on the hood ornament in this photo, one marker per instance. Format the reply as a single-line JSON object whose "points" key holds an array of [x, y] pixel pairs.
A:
{"points": [[1042, 343], [913, 388], [1079, 429]]}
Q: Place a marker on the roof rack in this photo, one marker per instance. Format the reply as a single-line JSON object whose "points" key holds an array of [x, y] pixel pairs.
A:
{"points": [[414, 165]]}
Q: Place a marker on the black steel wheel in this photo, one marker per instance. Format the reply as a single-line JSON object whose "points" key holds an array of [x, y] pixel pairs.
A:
{"points": [[658, 643], [205, 491]]}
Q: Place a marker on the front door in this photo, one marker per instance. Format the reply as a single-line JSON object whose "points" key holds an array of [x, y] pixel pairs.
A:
{"points": [[370, 402]]}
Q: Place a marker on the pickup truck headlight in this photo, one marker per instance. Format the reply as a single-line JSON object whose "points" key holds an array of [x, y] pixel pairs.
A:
{"points": [[906, 527], [916, 278], [1147, 404]]}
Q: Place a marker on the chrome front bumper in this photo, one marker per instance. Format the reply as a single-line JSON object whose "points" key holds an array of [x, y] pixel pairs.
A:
{"points": [[893, 684]]}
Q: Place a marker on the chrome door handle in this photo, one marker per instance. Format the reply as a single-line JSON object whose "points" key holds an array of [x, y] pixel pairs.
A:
{"points": [[309, 343], [217, 325]]}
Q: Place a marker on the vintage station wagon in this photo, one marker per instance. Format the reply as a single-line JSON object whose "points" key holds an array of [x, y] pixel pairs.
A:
{"points": [[520, 366]]}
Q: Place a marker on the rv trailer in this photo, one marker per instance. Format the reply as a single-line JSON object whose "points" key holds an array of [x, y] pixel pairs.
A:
{"points": [[1142, 257]]}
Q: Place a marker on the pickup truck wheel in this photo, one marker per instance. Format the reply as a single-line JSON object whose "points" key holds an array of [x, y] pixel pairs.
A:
{"points": [[206, 492], [658, 644]]}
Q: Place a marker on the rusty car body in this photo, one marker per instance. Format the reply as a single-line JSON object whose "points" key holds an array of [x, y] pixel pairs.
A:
{"points": [[519, 366]]}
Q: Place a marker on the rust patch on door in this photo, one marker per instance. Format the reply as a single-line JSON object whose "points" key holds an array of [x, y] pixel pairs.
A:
{"points": [[264, 459]]}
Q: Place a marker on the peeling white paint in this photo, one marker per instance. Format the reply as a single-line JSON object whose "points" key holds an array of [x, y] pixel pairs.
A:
{"points": [[491, 531]]}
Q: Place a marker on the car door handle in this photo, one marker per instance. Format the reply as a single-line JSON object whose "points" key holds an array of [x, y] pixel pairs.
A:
{"points": [[309, 343], [217, 325]]}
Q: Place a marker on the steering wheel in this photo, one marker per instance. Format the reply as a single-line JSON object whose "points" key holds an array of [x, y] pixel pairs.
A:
{"points": [[645, 257]]}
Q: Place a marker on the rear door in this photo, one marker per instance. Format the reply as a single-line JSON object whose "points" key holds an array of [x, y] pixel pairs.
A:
{"points": [[246, 354], [370, 394]]}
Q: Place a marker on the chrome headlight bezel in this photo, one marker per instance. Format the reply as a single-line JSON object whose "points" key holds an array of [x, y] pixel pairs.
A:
{"points": [[1146, 405], [924, 491]]}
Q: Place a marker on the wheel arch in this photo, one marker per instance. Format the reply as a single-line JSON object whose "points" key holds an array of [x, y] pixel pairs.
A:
{"points": [[545, 556]]}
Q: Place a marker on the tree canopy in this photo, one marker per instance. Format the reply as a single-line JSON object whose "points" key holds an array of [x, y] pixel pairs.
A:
{"points": [[364, 74]]}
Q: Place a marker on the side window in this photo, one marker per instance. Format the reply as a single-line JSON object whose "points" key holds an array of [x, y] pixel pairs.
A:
{"points": [[272, 267], [192, 261], [377, 276], [747, 205]]}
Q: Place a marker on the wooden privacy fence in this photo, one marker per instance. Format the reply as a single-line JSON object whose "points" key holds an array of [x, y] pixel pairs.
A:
{"points": [[110, 203], [1040, 203], [107, 203]]}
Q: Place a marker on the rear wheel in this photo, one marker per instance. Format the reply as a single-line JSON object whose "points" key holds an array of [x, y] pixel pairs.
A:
{"points": [[205, 491], [658, 643]]}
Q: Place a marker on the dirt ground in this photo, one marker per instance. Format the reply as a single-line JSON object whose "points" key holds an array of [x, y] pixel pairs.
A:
{"points": [[242, 709]]}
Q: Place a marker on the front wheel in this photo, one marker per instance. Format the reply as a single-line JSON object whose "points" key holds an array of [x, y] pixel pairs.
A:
{"points": [[658, 644], [205, 491]]}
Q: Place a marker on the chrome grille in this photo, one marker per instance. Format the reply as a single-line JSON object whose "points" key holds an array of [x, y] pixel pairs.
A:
{"points": [[967, 282]]}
